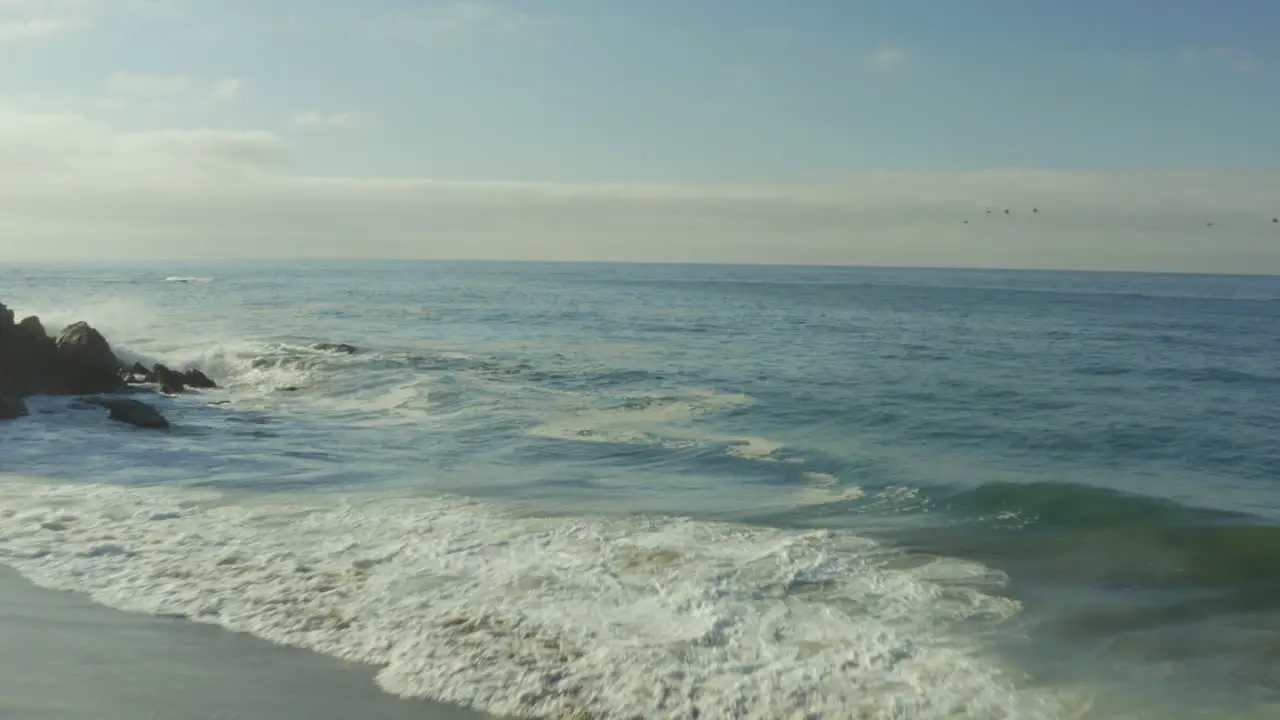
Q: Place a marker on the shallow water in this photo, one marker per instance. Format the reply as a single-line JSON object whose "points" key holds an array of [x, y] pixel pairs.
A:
{"points": [[667, 491]]}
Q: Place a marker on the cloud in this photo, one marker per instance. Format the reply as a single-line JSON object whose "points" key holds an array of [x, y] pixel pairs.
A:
{"points": [[158, 87], [151, 85], [435, 20], [25, 20], [62, 151], [888, 59], [227, 88], [34, 28], [1220, 58], [29, 20], [1245, 66], [72, 187], [319, 121]]}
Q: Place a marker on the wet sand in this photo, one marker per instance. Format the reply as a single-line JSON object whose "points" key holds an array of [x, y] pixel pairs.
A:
{"points": [[64, 658]]}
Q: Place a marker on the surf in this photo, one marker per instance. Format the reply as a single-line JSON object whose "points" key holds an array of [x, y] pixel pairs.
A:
{"points": [[462, 602]]}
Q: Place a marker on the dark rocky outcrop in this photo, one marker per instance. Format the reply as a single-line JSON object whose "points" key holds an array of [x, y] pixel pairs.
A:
{"points": [[27, 356], [32, 327], [172, 382], [196, 379], [138, 372], [79, 361], [341, 348], [86, 363], [168, 381], [12, 407], [132, 412], [22, 356]]}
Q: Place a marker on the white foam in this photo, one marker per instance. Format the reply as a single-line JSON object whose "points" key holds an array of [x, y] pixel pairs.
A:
{"points": [[566, 617], [824, 489], [663, 420], [750, 447], [247, 368], [188, 279]]}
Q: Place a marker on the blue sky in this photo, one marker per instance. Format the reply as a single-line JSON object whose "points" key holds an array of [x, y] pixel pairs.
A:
{"points": [[700, 93]]}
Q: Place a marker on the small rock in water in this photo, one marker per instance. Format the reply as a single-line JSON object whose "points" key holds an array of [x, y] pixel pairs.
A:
{"points": [[343, 348], [196, 379], [169, 381], [172, 382], [12, 407], [132, 412], [139, 373]]}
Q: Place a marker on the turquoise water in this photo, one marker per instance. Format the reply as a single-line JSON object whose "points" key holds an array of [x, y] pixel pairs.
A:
{"points": [[690, 491]]}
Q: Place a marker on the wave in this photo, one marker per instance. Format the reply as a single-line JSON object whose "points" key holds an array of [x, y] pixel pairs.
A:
{"points": [[1066, 530], [544, 617], [1064, 504], [188, 279], [247, 367], [563, 402]]}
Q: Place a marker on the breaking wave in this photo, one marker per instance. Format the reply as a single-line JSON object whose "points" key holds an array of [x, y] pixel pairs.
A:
{"points": [[581, 617]]}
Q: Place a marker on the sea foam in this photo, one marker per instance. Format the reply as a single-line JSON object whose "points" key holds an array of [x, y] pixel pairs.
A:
{"points": [[585, 617]]}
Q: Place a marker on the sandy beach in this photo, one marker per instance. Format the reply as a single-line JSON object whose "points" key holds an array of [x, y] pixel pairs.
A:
{"points": [[65, 658]]}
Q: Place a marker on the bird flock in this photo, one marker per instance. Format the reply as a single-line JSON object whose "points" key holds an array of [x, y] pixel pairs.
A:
{"points": [[1036, 211]]}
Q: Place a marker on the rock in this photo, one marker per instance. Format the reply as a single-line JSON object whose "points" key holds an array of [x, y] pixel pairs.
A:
{"points": [[81, 342], [32, 327], [79, 361], [342, 348], [169, 381], [172, 382], [196, 379], [86, 363], [132, 412], [27, 356], [141, 373], [12, 407]]}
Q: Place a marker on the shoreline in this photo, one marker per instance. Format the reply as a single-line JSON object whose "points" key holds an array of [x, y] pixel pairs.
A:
{"points": [[69, 658]]}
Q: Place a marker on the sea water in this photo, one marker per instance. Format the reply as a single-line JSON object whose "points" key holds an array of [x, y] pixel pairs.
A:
{"points": [[632, 491]]}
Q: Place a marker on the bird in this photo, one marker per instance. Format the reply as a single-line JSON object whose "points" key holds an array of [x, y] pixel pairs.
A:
{"points": [[1006, 212], [1035, 210], [1275, 220]]}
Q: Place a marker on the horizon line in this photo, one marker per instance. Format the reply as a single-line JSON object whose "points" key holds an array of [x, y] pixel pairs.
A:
{"points": [[150, 261]]}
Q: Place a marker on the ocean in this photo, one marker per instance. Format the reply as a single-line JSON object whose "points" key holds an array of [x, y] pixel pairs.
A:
{"points": [[644, 491]]}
